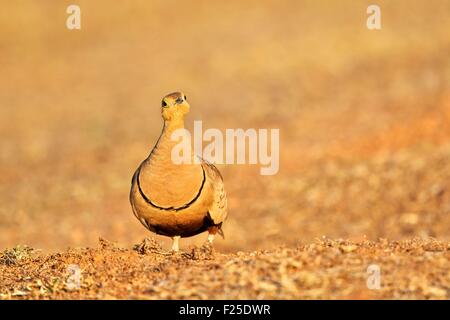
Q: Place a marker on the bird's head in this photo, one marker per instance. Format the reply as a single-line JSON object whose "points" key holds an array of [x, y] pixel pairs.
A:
{"points": [[174, 106]]}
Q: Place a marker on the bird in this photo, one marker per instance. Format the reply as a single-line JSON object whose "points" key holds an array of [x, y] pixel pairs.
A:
{"points": [[178, 200]]}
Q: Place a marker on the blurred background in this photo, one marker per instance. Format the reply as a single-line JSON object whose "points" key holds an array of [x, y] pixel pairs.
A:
{"points": [[364, 116]]}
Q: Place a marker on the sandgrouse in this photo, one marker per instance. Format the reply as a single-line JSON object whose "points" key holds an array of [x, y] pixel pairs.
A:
{"points": [[177, 200]]}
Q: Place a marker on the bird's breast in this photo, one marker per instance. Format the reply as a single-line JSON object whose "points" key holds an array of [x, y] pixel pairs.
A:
{"points": [[168, 185]]}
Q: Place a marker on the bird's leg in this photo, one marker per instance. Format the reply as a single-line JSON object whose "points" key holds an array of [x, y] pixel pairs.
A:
{"points": [[175, 247], [212, 233], [211, 237]]}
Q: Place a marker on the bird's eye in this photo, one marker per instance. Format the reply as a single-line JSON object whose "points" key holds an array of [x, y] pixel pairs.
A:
{"points": [[164, 103], [179, 100], [185, 98]]}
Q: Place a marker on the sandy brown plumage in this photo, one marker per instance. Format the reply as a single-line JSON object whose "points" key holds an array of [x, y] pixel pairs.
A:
{"points": [[177, 200]]}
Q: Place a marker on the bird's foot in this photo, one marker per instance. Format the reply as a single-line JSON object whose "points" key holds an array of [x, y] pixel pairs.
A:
{"points": [[175, 244]]}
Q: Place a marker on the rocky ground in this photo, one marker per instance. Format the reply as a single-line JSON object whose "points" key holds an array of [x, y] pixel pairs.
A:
{"points": [[324, 269]]}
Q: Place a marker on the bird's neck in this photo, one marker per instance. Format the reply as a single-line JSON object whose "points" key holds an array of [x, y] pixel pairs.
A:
{"points": [[163, 150], [170, 126]]}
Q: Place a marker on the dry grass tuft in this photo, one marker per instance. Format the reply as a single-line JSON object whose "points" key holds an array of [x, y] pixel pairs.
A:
{"points": [[147, 246], [17, 255], [203, 252]]}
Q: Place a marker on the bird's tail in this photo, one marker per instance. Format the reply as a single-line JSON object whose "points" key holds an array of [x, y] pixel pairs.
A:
{"points": [[220, 232]]}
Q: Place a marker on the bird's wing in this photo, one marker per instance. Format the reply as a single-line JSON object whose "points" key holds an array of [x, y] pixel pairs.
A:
{"points": [[218, 210]]}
